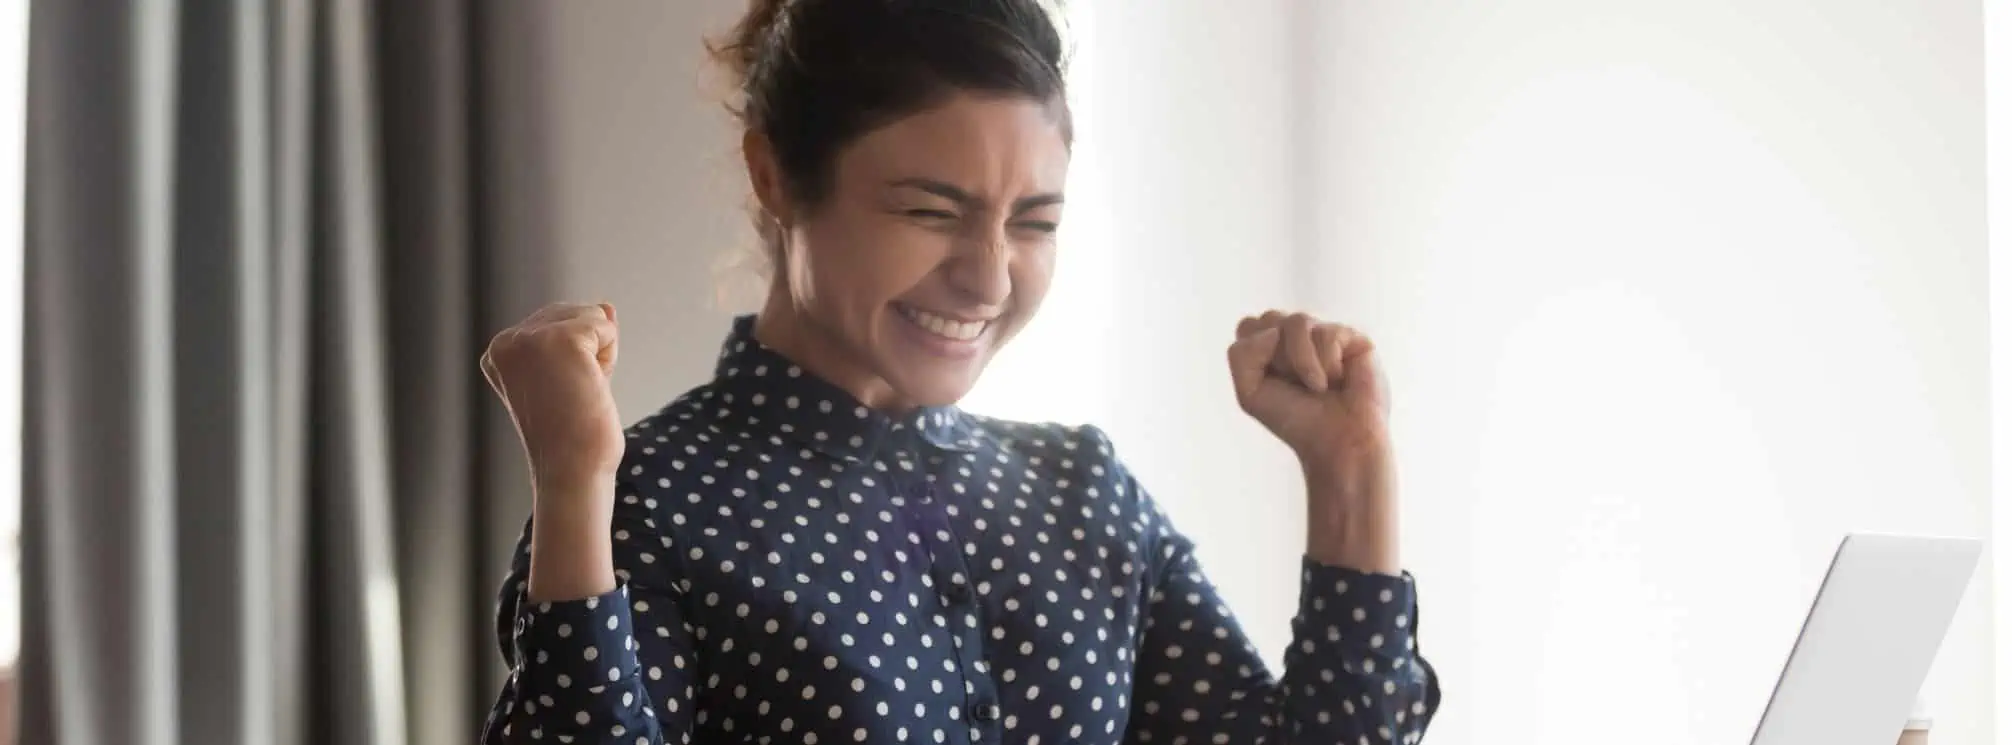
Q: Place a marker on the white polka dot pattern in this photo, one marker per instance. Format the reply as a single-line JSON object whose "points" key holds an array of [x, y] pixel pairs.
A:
{"points": [[796, 568]]}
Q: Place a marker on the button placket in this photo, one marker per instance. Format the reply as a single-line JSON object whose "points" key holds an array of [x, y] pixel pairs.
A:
{"points": [[954, 590]]}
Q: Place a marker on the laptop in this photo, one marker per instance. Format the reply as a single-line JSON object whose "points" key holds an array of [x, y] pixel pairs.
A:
{"points": [[1878, 619]]}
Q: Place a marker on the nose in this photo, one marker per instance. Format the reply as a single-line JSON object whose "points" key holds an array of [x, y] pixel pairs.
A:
{"points": [[981, 270]]}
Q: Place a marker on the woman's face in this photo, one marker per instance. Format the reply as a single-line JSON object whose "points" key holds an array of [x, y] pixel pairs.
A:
{"points": [[933, 248]]}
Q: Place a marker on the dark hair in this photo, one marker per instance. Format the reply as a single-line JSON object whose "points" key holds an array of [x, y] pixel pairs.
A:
{"points": [[813, 75]]}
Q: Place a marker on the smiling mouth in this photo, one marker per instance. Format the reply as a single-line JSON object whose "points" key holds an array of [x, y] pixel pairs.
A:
{"points": [[944, 326]]}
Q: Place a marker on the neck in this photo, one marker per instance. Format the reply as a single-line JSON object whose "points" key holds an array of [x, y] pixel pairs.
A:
{"points": [[785, 327]]}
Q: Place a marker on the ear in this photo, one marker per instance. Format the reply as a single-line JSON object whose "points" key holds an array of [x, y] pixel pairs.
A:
{"points": [[765, 174]]}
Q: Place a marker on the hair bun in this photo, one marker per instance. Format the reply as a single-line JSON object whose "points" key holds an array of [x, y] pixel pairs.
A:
{"points": [[741, 49]]}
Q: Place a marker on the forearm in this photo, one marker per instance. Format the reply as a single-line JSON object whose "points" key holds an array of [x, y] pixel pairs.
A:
{"points": [[1352, 671], [572, 551], [576, 674], [1351, 519], [578, 671], [1355, 658]]}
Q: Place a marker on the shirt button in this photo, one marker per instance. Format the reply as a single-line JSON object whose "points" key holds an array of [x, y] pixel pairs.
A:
{"points": [[957, 593], [987, 713]]}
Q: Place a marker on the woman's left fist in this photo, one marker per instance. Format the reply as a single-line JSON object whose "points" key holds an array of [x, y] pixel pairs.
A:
{"points": [[1316, 386]]}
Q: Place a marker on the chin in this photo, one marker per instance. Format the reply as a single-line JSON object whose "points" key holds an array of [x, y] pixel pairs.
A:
{"points": [[929, 368]]}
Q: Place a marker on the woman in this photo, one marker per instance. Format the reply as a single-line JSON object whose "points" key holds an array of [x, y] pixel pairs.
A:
{"points": [[818, 547]]}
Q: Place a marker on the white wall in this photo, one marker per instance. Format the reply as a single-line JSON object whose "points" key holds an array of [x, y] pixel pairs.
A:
{"points": [[13, 138], [1998, 143], [631, 173], [1675, 294]]}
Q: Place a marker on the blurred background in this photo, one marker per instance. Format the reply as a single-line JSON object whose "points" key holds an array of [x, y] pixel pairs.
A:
{"points": [[1674, 295]]}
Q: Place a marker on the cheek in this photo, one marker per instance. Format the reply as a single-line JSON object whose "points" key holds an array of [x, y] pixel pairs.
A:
{"points": [[1032, 272], [866, 262]]}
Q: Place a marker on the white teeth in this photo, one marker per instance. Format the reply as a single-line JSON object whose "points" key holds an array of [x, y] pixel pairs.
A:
{"points": [[945, 327]]}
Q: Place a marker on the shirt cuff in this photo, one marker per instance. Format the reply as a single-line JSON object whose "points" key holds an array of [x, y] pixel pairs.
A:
{"points": [[1356, 615], [577, 648]]}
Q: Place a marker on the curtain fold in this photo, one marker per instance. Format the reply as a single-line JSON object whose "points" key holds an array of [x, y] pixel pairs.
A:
{"points": [[257, 461]]}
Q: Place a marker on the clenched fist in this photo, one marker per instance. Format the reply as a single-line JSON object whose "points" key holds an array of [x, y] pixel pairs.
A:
{"points": [[1315, 385], [552, 372], [1318, 388]]}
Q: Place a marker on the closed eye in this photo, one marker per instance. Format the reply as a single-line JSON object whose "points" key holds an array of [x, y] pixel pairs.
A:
{"points": [[1043, 226], [929, 214]]}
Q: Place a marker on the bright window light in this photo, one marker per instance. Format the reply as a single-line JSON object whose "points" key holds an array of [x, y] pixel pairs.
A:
{"points": [[13, 149], [1041, 376], [1998, 214]]}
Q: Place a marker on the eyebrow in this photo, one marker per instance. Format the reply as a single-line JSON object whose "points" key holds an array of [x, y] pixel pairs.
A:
{"points": [[960, 196]]}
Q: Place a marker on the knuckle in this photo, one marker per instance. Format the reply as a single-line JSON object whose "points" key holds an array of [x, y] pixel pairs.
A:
{"points": [[556, 336], [500, 345]]}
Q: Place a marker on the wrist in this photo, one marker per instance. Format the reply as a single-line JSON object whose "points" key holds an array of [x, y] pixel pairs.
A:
{"points": [[1329, 481], [566, 488], [1351, 518], [572, 547], [572, 478], [567, 566]]}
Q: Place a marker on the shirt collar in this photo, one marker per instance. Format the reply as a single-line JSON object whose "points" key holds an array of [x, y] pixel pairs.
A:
{"points": [[782, 396]]}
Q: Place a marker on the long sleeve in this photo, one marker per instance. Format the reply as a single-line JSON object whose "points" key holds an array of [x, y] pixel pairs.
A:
{"points": [[1352, 674], [618, 668], [795, 567]]}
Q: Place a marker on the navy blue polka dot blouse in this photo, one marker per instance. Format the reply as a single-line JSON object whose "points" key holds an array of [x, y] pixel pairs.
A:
{"points": [[795, 568]]}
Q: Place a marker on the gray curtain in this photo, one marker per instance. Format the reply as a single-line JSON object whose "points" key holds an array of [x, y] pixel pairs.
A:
{"points": [[264, 491]]}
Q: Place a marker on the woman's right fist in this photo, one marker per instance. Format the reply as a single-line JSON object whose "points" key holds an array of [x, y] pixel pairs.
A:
{"points": [[552, 371]]}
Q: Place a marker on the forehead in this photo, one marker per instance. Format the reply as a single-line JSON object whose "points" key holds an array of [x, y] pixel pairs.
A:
{"points": [[998, 147]]}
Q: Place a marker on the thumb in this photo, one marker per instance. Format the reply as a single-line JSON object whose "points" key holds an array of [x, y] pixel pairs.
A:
{"points": [[1249, 356], [1367, 382], [607, 339]]}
